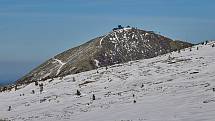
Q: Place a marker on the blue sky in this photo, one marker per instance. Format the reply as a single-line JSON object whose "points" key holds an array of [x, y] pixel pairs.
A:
{"points": [[32, 31]]}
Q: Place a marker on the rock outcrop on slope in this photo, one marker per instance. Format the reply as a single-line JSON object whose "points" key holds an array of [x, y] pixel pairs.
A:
{"points": [[118, 46]]}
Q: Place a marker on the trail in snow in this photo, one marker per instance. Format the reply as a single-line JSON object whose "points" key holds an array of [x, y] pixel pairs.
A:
{"points": [[102, 40], [61, 65]]}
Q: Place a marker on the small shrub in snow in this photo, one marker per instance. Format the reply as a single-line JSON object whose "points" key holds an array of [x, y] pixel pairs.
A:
{"points": [[134, 101], [179, 51], [36, 83], [213, 45], [78, 93], [142, 85], [42, 100], [169, 58], [94, 98], [15, 87], [213, 89], [22, 95], [73, 79], [51, 80], [119, 94], [32, 91], [41, 87], [9, 108]]}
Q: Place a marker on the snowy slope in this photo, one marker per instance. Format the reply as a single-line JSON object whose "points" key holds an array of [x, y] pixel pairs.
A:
{"points": [[171, 87]]}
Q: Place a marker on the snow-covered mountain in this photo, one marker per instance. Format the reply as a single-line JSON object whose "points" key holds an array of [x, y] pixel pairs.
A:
{"points": [[118, 46], [178, 86]]}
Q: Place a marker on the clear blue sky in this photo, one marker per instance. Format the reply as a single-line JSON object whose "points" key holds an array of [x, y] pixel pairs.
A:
{"points": [[31, 31]]}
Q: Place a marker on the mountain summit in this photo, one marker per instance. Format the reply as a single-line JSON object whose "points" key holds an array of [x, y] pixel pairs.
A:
{"points": [[118, 46]]}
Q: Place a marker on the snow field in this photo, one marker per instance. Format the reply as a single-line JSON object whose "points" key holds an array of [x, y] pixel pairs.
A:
{"points": [[171, 87]]}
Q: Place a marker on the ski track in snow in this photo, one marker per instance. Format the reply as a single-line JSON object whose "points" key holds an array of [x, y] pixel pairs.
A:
{"points": [[61, 65], [102, 40], [171, 87]]}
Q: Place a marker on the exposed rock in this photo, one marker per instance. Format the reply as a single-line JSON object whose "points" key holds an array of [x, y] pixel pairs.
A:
{"points": [[118, 46]]}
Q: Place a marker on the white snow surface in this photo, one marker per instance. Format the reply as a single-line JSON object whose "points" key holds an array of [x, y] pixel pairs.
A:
{"points": [[102, 39], [127, 28], [97, 62], [171, 87]]}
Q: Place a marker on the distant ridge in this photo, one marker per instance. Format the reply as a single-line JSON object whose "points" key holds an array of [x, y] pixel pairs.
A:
{"points": [[118, 46]]}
